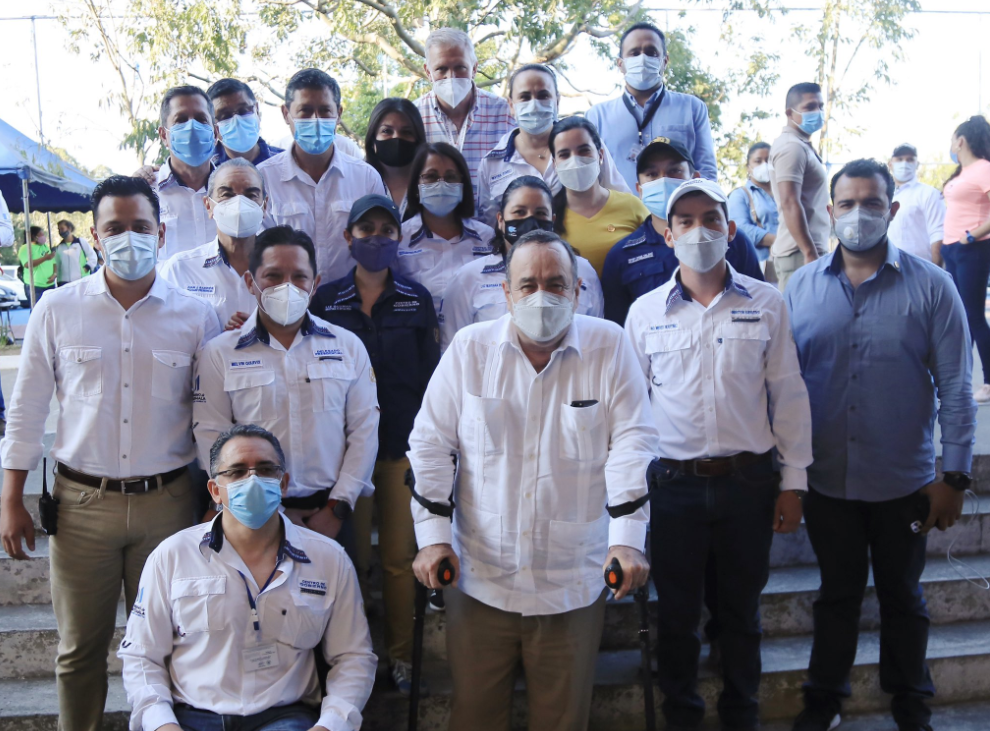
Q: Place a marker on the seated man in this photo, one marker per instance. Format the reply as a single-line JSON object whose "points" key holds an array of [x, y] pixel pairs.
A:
{"points": [[226, 620]]}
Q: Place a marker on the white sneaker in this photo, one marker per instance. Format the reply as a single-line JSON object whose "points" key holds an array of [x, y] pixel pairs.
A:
{"points": [[982, 394]]}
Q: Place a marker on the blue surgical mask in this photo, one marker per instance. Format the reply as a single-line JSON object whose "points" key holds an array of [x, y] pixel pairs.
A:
{"points": [[954, 157], [254, 500], [130, 255], [192, 142], [657, 192], [240, 133], [374, 253], [811, 122], [441, 197], [315, 135]]}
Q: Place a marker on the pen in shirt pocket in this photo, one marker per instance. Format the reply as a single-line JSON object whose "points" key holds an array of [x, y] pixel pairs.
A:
{"points": [[583, 404]]}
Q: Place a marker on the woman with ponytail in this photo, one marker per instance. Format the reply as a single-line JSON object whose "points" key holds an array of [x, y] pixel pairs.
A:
{"points": [[966, 250]]}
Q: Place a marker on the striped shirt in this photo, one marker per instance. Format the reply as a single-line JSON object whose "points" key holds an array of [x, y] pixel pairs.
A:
{"points": [[485, 125]]}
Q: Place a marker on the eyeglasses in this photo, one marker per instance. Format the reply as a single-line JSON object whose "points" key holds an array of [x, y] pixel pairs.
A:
{"points": [[432, 178], [272, 471]]}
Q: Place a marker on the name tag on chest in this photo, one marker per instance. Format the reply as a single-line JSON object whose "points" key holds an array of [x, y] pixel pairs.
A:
{"points": [[262, 657]]}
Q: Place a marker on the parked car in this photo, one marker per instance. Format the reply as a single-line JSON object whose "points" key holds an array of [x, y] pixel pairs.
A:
{"points": [[8, 279]]}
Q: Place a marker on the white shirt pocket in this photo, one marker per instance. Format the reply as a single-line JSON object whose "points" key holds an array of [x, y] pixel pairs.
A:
{"points": [[743, 347], [583, 437], [670, 353], [479, 535], [171, 375], [252, 394], [81, 371], [577, 550], [331, 381], [305, 621], [295, 214], [198, 604], [485, 425]]}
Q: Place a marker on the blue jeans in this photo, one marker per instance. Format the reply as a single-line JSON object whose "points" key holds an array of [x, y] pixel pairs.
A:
{"points": [[969, 265], [694, 521], [294, 717]]}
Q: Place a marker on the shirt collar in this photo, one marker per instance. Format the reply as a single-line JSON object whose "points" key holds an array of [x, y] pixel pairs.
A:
{"points": [[509, 337], [290, 168], [216, 256], [905, 186], [169, 179], [254, 330], [265, 151], [833, 261], [289, 547], [649, 101], [97, 284], [679, 294], [349, 291]]}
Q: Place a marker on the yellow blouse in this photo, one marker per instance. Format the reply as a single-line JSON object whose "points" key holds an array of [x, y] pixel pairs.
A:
{"points": [[594, 237]]}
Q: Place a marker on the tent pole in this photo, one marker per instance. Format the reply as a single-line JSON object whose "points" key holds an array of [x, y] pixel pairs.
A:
{"points": [[27, 235]]}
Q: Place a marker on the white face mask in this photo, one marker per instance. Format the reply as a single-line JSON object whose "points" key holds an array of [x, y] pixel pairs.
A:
{"points": [[536, 116], [761, 173], [452, 91], [700, 249], [904, 170], [238, 217], [860, 229], [578, 173], [643, 72], [130, 255], [285, 303], [542, 316]]}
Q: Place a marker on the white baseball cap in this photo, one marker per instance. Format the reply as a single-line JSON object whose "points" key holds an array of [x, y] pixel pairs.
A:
{"points": [[708, 187]]}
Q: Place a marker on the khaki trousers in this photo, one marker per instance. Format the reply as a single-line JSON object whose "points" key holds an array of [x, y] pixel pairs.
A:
{"points": [[785, 266], [397, 544], [486, 645], [102, 539]]}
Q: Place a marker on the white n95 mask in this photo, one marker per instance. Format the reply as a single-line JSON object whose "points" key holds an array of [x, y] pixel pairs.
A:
{"points": [[904, 170], [285, 303], [130, 255], [578, 172], [700, 249], [452, 91], [542, 316], [238, 217]]}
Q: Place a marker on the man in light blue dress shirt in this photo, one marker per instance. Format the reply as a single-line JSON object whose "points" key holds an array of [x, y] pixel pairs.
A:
{"points": [[880, 334], [647, 109]]}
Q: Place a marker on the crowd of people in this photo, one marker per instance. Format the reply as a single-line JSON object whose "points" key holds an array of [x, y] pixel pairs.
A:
{"points": [[557, 333]]}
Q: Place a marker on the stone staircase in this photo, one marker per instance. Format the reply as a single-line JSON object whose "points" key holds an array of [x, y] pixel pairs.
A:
{"points": [[959, 646]]}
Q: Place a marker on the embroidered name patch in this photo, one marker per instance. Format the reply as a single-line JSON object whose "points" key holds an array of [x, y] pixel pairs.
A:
{"points": [[746, 315], [201, 288], [236, 364], [493, 285], [640, 258], [326, 352], [499, 176], [306, 586], [667, 326]]}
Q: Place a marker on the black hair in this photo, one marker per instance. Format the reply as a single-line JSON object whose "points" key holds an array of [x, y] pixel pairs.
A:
{"points": [[187, 90], [565, 125], [976, 130], [386, 106], [541, 68], [643, 25], [756, 147], [122, 186], [645, 157], [223, 87], [542, 238], [905, 149], [281, 236], [67, 223], [250, 431], [797, 91], [312, 79], [465, 209], [35, 230], [864, 168], [523, 181]]}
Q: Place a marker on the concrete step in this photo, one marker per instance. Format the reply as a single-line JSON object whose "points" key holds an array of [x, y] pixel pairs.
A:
{"points": [[26, 582], [32, 705], [29, 641]]}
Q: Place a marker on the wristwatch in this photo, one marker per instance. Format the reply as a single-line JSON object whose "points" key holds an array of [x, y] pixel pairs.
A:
{"points": [[957, 480], [340, 509], [970, 239]]}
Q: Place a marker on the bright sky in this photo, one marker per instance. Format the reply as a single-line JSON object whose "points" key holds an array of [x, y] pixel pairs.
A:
{"points": [[937, 85]]}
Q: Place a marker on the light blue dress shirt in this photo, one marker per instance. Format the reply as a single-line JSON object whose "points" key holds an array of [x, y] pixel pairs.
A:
{"points": [[767, 216], [874, 360], [681, 116]]}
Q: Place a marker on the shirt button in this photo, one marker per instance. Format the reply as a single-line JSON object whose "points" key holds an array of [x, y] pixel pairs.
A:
{"points": [[852, 408], [126, 385], [127, 317], [852, 439], [853, 376], [708, 345], [855, 345], [78, 360], [529, 495], [125, 421], [127, 350], [857, 314], [123, 456], [610, 228]]}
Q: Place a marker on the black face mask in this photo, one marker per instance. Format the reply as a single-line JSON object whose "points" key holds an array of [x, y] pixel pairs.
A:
{"points": [[520, 226], [395, 152]]}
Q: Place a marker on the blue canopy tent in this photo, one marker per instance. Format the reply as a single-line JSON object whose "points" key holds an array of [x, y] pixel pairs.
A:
{"points": [[33, 178]]}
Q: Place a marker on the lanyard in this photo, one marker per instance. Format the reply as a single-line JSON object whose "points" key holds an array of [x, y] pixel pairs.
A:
{"points": [[251, 602], [647, 115], [457, 141]]}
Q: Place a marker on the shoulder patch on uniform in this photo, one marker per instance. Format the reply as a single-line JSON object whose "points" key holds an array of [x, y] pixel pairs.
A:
{"points": [[213, 261], [494, 268], [248, 338], [635, 242]]}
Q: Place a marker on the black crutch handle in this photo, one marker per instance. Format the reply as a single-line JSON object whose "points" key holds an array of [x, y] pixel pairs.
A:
{"points": [[613, 575], [446, 572]]}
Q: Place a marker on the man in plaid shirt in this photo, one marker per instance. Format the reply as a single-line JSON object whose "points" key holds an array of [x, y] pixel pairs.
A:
{"points": [[456, 110]]}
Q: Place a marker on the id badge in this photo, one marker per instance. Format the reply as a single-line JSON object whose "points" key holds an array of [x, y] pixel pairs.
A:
{"points": [[261, 657], [634, 152]]}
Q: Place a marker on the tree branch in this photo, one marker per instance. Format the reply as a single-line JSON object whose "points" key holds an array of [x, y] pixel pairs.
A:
{"points": [[489, 36], [397, 25]]}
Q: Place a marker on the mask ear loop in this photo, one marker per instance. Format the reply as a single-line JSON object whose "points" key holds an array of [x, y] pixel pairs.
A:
{"points": [[963, 569]]}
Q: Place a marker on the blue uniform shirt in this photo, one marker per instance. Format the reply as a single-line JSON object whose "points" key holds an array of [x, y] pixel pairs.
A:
{"points": [[642, 261], [767, 216], [265, 151], [680, 117], [874, 359], [403, 342]]}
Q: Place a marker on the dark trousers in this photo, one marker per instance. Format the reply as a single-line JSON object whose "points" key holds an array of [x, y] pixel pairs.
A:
{"points": [[294, 717], [969, 265], [845, 534], [729, 518]]}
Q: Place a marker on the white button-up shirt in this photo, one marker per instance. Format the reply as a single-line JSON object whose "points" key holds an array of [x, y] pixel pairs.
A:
{"points": [[475, 295], [206, 273], [318, 397], [504, 164], [190, 637], [918, 223], [187, 222], [319, 208], [123, 380], [724, 379], [69, 259], [432, 260], [535, 470]]}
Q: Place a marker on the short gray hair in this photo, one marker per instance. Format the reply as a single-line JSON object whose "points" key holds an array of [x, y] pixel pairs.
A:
{"points": [[235, 162], [541, 238], [251, 431], [451, 37]]}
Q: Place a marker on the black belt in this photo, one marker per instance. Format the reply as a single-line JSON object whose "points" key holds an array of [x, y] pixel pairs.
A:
{"points": [[717, 466], [316, 501], [127, 486]]}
